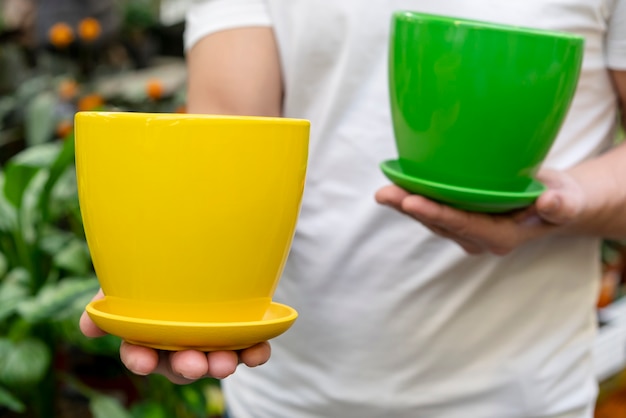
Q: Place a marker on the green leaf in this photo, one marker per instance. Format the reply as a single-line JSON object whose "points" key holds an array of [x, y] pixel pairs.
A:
{"points": [[54, 299], [31, 87], [4, 265], [29, 213], [17, 178], [8, 213], [149, 410], [64, 160], [193, 397], [67, 330], [40, 118], [14, 289], [22, 168], [40, 156], [52, 240], [8, 400], [74, 257], [214, 395], [23, 363], [103, 406], [65, 190]]}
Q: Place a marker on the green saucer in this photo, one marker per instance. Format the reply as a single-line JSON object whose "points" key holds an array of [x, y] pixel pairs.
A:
{"points": [[475, 200]]}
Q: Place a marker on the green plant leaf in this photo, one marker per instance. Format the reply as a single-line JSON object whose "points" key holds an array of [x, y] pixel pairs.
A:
{"points": [[215, 398], [54, 299], [149, 409], [74, 257], [17, 178], [14, 289], [23, 363], [40, 118], [52, 240], [63, 161], [22, 168], [103, 406], [67, 330], [4, 265], [194, 398], [7, 399], [29, 215], [65, 190], [40, 156], [31, 87], [8, 213]]}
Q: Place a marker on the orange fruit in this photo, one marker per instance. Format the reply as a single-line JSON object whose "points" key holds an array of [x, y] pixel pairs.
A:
{"points": [[89, 29], [61, 35], [154, 89]]}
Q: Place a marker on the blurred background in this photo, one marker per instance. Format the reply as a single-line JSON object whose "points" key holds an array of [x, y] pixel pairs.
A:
{"points": [[61, 56], [58, 57]]}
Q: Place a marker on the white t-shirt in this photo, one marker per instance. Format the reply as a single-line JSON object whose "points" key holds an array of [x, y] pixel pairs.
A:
{"points": [[395, 321]]}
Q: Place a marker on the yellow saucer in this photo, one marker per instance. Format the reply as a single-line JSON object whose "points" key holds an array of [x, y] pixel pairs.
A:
{"points": [[203, 336]]}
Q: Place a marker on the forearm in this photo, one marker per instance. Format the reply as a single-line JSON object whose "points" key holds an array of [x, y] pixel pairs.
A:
{"points": [[235, 72]]}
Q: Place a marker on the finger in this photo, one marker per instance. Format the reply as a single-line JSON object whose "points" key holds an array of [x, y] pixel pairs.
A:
{"points": [[467, 246], [86, 325], [138, 359], [222, 363], [474, 232], [256, 355], [190, 364], [394, 196], [454, 221], [391, 196], [555, 208]]}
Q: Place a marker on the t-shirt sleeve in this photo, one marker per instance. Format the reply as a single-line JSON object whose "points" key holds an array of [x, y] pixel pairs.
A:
{"points": [[210, 16], [616, 37]]}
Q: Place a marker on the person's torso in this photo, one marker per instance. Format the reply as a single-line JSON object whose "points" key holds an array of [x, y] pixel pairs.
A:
{"points": [[395, 321]]}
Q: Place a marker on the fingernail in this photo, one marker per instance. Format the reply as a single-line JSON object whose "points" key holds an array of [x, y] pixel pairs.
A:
{"points": [[189, 378]]}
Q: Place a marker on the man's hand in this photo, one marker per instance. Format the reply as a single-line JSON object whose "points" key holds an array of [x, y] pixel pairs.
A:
{"points": [[181, 367], [477, 233]]}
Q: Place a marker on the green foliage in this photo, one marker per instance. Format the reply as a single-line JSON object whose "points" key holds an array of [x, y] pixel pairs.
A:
{"points": [[46, 274], [23, 363], [140, 14], [47, 278], [45, 268], [102, 406], [40, 118], [10, 401]]}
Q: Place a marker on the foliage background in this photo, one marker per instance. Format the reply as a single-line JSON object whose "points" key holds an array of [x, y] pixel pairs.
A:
{"points": [[58, 57]]}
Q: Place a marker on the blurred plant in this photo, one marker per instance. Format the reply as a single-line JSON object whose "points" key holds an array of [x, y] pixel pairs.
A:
{"points": [[45, 274], [46, 279]]}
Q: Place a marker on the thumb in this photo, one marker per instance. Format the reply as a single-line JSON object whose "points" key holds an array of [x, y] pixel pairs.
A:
{"points": [[554, 207]]}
